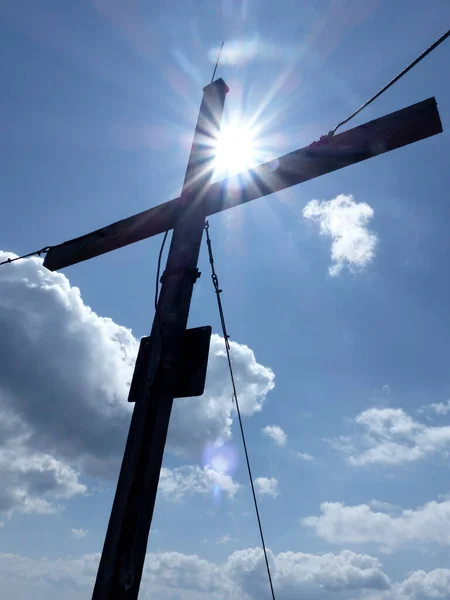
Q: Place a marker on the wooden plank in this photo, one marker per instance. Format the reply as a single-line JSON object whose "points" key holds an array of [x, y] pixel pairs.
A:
{"points": [[122, 560], [387, 133]]}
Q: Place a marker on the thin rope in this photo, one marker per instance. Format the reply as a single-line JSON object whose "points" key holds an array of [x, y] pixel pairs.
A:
{"points": [[387, 86], [158, 270], [226, 337], [36, 253], [157, 315], [217, 62]]}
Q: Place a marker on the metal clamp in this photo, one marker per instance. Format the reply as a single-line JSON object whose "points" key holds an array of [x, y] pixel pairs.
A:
{"points": [[191, 274]]}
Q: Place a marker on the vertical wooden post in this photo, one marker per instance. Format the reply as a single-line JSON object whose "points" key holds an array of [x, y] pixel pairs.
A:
{"points": [[122, 561]]}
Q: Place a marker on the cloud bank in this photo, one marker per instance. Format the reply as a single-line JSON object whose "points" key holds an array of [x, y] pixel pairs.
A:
{"points": [[175, 576], [64, 378]]}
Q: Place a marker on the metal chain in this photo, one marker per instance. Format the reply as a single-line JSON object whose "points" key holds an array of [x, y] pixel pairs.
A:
{"points": [[226, 337]]}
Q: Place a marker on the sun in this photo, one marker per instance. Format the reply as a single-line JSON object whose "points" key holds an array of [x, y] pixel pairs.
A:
{"points": [[236, 150]]}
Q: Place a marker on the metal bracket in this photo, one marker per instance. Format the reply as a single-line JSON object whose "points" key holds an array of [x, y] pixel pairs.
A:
{"points": [[193, 365], [192, 274]]}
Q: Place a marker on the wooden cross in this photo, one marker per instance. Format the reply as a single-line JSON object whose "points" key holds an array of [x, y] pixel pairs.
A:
{"points": [[123, 555]]}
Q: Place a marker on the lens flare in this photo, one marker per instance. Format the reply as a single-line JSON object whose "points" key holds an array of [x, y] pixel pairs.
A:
{"points": [[216, 491], [237, 149], [221, 457], [223, 460]]}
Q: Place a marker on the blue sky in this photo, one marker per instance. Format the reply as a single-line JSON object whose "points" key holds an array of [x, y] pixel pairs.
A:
{"points": [[338, 309]]}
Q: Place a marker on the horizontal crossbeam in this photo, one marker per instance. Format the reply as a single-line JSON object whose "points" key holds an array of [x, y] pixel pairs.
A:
{"points": [[387, 133]]}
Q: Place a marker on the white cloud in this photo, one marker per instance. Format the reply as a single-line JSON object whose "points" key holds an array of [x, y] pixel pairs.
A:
{"points": [[267, 486], [280, 439], [79, 533], [421, 585], [340, 524], [225, 539], [175, 576], [438, 408], [342, 443], [189, 480], [64, 377], [345, 221], [276, 434], [30, 481], [392, 437], [208, 418], [64, 371], [304, 456], [384, 506]]}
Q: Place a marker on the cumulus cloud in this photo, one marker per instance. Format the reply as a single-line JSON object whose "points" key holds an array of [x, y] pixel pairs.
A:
{"points": [[421, 585], [172, 576], [392, 437], [208, 418], [361, 524], [345, 222], [276, 434], [64, 370], [189, 480], [64, 378], [32, 480], [267, 486], [176, 576], [79, 533]]}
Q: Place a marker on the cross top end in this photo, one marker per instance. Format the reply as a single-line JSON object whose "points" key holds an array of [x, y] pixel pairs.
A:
{"points": [[218, 83]]}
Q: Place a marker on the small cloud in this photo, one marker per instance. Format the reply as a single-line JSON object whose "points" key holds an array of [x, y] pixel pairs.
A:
{"points": [[304, 456], [276, 434], [438, 408], [226, 539], [383, 506], [267, 486], [2, 524], [345, 222], [386, 389], [343, 444], [79, 533]]}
